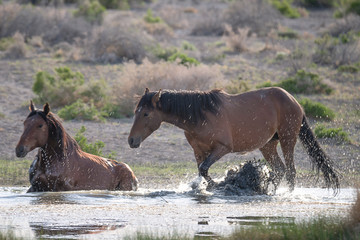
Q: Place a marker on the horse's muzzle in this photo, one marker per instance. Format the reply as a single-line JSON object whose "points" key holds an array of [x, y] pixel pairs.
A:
{"points": [[21, 151], [134, 142]]}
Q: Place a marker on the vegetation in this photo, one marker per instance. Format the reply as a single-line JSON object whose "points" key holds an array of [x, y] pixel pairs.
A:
{"points": [[337, 133], [183, 59], [302, 82], [81, 110], [91, 10], [285, 8], [59, 89], [92, 148], [5, 43], [337, 51], [316, 109], [149, 18], [14, 172]]}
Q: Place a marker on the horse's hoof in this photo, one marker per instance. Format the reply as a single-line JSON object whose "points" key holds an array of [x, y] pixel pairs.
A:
{"points": [[211, 185]]}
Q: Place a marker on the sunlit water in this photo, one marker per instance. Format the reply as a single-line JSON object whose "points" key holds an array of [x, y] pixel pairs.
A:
{"points": [[108, 215]]}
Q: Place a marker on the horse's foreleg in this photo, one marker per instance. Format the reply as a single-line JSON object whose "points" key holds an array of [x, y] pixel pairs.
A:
{"points": [[210, 160]]}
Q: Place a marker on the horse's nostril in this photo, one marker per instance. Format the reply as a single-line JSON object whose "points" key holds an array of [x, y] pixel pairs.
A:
{"points": [[131, 141]]}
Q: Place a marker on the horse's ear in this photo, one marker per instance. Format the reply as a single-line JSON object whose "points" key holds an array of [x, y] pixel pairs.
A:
{"points": [[146, 91], [46, 109], [156, 98], [32, 106]]}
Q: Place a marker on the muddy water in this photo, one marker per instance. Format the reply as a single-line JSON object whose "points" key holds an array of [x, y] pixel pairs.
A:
{"points": [[109, 215]]}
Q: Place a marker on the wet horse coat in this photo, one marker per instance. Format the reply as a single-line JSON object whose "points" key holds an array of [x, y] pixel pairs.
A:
{"points": [[216, 123], [61, 165]]}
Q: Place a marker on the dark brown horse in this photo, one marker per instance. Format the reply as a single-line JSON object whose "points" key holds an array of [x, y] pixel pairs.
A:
{"points": [[216, 123], [60, 165]]}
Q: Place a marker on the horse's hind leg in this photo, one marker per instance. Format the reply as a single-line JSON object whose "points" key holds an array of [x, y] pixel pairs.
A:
{"points": [[271, 155], [288, 146]]}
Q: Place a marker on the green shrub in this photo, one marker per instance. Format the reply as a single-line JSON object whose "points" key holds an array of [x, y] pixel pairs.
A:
{"points": [[81, 110], [5, 43], [236, 86], [265, 84], [354, 7], [91, 10], [58, 89], [306, 83], [183, 59], [114, 111], [164, 53], [317, 3], [188, 46], [285, 8], [316, 109], [92, 148], [115, 4], [337, 133], [302, 82], [150, 18], [349, 68]]}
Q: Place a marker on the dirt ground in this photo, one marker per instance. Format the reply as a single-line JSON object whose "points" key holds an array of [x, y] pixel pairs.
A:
{"points": [[168, 144]]}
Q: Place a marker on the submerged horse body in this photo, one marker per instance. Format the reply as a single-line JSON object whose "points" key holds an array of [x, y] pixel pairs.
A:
{"points": [[61, 165], [216, 123]]}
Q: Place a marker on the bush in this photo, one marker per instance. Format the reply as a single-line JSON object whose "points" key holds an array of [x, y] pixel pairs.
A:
{"points": [[337, 51], [302, 82], [165, 75], [316, 109], [116, 44], [354, 7], [18, 48], [92, 148], [316, 3], [259, 16], [183, 59], [285, 8], [349, 68], [91, 10], [5, 43], [338, 133], [149, 18], [59, 89], [306, 83], [81, 110], [52, 24], [236, 41]]}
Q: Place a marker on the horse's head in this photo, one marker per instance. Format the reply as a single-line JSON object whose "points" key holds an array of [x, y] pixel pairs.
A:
{"points": [[147, 118], [36, 131]]}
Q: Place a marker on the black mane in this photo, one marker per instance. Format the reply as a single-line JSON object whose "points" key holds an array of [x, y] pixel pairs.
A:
{"points": [[187, 105], [57, 134]]}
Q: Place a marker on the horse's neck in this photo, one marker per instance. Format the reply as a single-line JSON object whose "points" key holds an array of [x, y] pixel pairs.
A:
{"points": [[178, 122]]}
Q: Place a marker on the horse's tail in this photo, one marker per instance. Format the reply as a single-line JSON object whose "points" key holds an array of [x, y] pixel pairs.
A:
{"points": [[318, 156]]}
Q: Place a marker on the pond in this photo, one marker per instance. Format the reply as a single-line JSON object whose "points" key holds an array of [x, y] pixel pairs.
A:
{"points": [[108, 214]]}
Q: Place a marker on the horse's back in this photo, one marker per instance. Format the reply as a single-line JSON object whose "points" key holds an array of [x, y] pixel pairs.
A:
{"points": [[255, 116]]}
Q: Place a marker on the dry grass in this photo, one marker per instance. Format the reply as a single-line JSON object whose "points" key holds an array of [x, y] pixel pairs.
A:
{"points": [[259, 16], [116, 43], [18, 49], [236, 41], [165, 75], [350, 23], [53, 24]]}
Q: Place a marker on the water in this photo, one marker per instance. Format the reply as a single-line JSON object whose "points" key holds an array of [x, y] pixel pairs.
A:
{"points": [[109, 215]]}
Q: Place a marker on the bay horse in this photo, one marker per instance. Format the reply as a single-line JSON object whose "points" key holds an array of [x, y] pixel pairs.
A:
{"points": [[216, 123], [61, 165]]}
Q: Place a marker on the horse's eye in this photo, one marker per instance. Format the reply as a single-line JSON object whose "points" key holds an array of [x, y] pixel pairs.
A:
{"points": [[146, 114], [40, 126]]}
